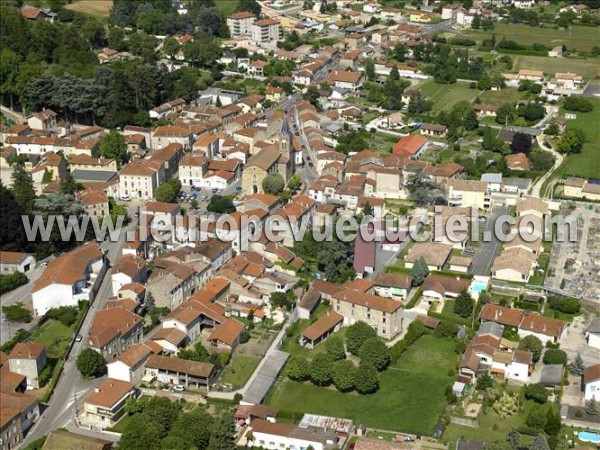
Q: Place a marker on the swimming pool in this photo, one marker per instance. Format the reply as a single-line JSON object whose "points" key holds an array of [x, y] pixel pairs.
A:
{"points": [[589, 436], [478, 287]]}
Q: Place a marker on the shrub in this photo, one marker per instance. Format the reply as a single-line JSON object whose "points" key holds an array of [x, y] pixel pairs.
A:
{"points": [[91, 363], [565, 305], [17, 313], [536, 392], [555, 356], [12, 281]]}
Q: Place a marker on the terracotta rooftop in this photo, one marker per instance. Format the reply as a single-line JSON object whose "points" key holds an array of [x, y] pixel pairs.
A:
{"points": [[323, 325], [109, 393]]}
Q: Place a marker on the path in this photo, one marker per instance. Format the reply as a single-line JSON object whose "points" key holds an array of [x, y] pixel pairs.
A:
{"points": [[537, 187], [12, 115]]}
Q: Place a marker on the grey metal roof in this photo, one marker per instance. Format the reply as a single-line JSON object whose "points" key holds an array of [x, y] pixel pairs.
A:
{"points": [[268, 373], [522, 183], [94, 175], [491, 328], [552, 374], [492, 177]]}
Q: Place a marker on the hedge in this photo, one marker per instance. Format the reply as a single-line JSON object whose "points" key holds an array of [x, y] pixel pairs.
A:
{"points": [[415, 299], [450, 318]]}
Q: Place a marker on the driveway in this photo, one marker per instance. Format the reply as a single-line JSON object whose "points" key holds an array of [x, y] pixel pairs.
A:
{"points": [[575, 343], [490, 244]]}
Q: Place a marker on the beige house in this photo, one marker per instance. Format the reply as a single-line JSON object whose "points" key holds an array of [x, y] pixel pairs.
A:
{"points": [[580, 188], [271, 159], [106, 404], [468, 193], [114, 330], [434, 254], [140, 178], [28, 359], [383, 314], [514, 264], [192, 169], [44, 120]]}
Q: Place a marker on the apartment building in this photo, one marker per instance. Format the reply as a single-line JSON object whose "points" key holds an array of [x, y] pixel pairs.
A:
{"points": [[240, 24], [383, 314], [266, 32], [140, 178]]}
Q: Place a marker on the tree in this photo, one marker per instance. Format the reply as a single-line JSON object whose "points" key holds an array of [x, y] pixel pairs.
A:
{"points": [[163, 413], [366, 380], [321, 369], [113, 146], [555, 356], [521, 143], [68, 185], [394, 74], [575, 103], [22, 188], [534, 345], [476, 23], [344, 373], [553, 422], [571, 141], [294, 182], [484, 382], [375, 353], [273, 184], [91, 363], [536, 419], [419, 272], [370, 69], [284, 300], [335, 348], [540, 443], [591, 407], [577, 367], [484, 83], [222, 436], [423, 190], [463, 305], [506, 405], [541, 160], [220, 204], [446, 330], [16, 312], [298, 369], [504, 114], [357, 334], [140, 434], [251, 6], [168, 192], [536, 392], [170, 47]]}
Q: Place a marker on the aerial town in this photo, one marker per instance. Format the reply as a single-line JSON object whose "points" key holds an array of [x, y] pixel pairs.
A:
{"points": [[300, 224]]}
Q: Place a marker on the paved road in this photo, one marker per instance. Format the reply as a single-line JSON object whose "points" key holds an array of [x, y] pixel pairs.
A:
{"points": [[488, 250], [72, 388]]}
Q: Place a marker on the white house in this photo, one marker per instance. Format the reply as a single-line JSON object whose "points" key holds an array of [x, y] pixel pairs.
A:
{"points": [[591, 382], [11, 262], [547, 329], [275, 436], [128, 269], [592, 334], [129, 366], [69, 278]]}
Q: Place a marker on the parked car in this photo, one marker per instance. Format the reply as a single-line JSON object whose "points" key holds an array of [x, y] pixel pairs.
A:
{"points": [[78, 338], [125, 198], [179, 388], [204, 198], [214, 190], [219, 190]]}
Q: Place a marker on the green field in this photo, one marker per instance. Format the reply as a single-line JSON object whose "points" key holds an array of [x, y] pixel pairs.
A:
{"points": [[587, 163], [227, 6], [55, 336], [100, 8], [240, 370], [578, 38], [589, 68], [444, 96], [504, 95], [410, 398]]}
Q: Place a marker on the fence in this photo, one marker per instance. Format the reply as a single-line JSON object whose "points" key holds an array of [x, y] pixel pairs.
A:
{"points": [[465, 422]]}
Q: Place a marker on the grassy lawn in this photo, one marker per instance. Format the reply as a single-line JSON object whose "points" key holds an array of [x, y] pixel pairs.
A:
{"points": [[505, 95], [55, 336], [239, 370], [410, 397], [444, 96], [100, 8], [586, 163], [579, 38], [589, 68], [227, 6]]}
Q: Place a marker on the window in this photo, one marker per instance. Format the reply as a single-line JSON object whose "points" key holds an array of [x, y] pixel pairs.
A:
{"points": [[383, 320]]}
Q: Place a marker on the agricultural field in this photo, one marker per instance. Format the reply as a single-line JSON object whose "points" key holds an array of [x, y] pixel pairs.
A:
{"points": [[589, 68], [100, 8], [413, 388], [504, 95], [578, 38], [444, 96], [586, 163]]}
